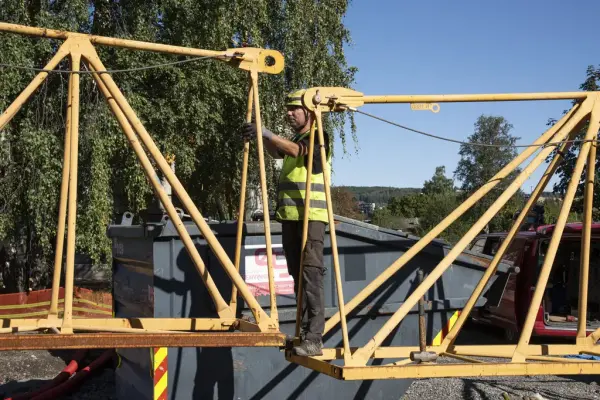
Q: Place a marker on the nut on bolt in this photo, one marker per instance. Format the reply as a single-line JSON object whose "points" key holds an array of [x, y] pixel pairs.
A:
{"points": [[317, 98]]}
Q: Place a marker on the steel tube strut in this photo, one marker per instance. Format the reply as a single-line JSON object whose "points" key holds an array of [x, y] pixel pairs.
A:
{"points": [[446, 222], [493, 267], [558, 229], [362, 355], [586, 238], [72, 206], [62, 210], [265, 197], [222, 308], [332, 236], [242, 207], [458, 98], [309, 168], [16, 105]]}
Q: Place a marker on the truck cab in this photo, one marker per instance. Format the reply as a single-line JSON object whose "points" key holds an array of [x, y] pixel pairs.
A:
{"points": [[558, 313]]}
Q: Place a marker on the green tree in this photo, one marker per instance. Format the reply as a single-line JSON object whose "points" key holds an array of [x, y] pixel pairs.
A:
{"points": [[478, 164], [386, 219], [193, 110], [565, 169], [438, 183], [344, 203], [409, 206]]}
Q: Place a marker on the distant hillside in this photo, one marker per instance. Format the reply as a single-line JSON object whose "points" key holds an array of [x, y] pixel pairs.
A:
{"points": [[378, 194]]}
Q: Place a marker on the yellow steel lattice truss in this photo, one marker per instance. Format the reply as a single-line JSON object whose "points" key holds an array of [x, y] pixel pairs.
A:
{"points": [[79, 48], [347, 362]]}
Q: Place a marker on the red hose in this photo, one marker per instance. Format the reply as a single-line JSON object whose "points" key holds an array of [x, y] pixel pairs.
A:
{"points": [[64, 375], [82, 374]]}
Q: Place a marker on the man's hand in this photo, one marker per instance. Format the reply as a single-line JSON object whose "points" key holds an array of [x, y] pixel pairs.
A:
{"points": [[249, 132]]}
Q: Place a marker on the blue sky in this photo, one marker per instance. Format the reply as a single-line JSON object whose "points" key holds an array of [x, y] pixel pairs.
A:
{"points": [[468, 46]]}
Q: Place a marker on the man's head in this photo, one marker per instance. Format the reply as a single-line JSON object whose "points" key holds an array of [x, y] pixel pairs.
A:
{"points": [[297, 116]]}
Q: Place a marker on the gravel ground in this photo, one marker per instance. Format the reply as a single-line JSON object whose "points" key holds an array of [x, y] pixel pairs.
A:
{"points": [[26, 370], [517, 388]]}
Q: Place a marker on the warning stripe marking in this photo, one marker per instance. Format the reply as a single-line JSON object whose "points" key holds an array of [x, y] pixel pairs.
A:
{"points": [[161, 364], [437, 340]]}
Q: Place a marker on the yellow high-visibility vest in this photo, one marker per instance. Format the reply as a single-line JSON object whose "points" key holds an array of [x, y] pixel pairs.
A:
{"points": [[292, 187]]}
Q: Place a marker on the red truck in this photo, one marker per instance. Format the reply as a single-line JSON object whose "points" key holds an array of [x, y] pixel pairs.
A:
{"points": [[558, 312]]}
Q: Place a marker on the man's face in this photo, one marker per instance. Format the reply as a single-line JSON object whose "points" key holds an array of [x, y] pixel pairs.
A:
{"points": [[297, 117]]}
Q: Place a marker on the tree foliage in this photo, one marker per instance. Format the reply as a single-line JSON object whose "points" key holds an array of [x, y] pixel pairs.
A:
{"points": [[438, 197], [344, 203], [438, 183], [566, 168], [478, 164], [193, 110]]}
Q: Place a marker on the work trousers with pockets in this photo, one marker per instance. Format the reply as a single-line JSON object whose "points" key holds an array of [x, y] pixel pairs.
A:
{"points": [[313, 300]]}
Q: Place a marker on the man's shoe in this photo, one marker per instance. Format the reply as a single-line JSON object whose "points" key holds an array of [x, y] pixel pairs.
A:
{"points": [[309, 348]]}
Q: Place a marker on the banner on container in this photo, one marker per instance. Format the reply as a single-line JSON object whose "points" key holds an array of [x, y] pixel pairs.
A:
{"points": [[257, 274]]}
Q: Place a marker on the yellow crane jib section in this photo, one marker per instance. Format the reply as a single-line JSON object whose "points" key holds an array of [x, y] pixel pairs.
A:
{"points": [[245, 58]]}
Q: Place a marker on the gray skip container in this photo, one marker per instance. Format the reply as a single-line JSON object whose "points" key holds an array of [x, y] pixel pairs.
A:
{"points": [[153, 276]]}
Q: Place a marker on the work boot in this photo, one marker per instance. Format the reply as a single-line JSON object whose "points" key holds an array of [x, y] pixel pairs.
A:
{"points": [[309, 348]]}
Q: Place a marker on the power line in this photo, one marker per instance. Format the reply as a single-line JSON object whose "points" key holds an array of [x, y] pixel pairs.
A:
{"points": [[463, 142]]}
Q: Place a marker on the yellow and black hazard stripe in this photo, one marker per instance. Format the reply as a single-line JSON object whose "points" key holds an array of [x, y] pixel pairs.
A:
{"points": [[437, 340], [160, 367]]}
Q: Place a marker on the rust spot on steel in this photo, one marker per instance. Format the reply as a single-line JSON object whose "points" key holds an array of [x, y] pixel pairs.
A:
{"points": [[138, 340]]}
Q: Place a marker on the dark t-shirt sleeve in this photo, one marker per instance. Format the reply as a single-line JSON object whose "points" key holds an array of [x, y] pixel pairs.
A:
{"points": [[317, 165]]}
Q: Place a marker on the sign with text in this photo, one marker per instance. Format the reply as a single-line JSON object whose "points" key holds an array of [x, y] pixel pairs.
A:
{"points": [[257, 274]]}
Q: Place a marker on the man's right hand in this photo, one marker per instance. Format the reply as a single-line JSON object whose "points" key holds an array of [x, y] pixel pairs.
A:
{"points": [[248, 131]]}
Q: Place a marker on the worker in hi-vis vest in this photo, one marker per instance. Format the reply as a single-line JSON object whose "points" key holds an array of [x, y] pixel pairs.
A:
{"points": [[290, 213]]}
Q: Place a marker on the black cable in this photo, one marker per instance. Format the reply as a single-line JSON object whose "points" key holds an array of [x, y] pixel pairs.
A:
{"points": [[460, 141], [108, 71]]}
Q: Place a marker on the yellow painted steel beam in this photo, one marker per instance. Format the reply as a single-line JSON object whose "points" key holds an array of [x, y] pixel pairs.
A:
{"points": [[333, 99], [586, 239], [466, 370], [246, 58], [497, 350], [119, 324]]}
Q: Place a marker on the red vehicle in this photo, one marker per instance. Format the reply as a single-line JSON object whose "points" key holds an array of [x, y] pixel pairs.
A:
{"points": [[558, 312]]}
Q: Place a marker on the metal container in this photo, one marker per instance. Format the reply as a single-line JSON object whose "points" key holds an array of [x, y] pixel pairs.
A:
{"points": [[153, 276]]}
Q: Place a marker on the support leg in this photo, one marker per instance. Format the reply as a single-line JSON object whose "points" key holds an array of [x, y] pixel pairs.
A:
{"points": [[265, 198], [241, 210], [62, 210], [334, 249], [307, 194], [586, 238], [67, 325]]}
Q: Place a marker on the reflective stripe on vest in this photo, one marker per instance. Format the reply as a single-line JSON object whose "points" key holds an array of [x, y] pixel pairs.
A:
{"points": [[292, 189]]}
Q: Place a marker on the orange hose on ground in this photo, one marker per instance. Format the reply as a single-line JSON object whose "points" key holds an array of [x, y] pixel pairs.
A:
{"points": [[82, 374], [63, 376]]}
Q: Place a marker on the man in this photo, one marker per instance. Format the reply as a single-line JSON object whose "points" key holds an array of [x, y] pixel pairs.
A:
{"points": [[290, 213]]}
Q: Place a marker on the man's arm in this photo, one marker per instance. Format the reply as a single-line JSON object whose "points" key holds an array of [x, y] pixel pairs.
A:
{"points": [[282, 146]]}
